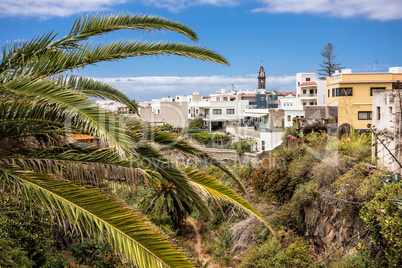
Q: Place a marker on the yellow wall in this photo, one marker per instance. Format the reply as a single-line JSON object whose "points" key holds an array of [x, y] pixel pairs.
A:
{"points": [[349, 106]]}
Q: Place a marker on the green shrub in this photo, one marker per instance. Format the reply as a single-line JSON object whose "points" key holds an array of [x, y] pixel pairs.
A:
{"points": [[274, 183], [287, 217], [243, 145], [268, 254], [97, 254], [300, 169], [361, 259], [209, 139], [305, 195], [355, 145], [276, 255], [297, 255], [380, 211], [197, 123], [25, 234]]}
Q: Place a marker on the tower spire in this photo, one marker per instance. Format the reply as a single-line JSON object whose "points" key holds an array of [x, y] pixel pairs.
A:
{"points": [[261, 78]]}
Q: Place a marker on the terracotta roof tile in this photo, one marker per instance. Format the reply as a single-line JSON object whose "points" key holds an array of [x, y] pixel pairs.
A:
{"points": [[308, 83]]}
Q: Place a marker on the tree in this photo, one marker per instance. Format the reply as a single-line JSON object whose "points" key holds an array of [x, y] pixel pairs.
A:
{"points": [[42, 108], [329, 66], [197, 123]]}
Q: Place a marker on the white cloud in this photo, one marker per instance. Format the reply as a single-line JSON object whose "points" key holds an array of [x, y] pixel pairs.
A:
{"points": [[53, 8], [372, 9], [151, 87], [178, 5]]}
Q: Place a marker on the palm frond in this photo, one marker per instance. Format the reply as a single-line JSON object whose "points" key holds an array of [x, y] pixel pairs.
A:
{"points": [[145, 131], [55, 63], [100, 215], [93, 119], [91, 88], [209, 186], [92, 25], [168, 171]]}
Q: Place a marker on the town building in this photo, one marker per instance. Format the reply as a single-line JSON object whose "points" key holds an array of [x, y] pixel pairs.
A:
{"points": [[387, 128], [310, 90], [272, 99], [352, 94]]}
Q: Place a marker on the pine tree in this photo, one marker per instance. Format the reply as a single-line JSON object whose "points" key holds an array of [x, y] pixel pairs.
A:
{"points": [[329, 65]]}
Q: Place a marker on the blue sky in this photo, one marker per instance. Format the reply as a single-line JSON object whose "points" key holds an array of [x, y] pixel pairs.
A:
{"points": [[286, 36]]}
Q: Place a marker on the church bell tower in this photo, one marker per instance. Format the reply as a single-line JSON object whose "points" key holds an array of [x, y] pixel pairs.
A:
{"points": [[261, 78]]}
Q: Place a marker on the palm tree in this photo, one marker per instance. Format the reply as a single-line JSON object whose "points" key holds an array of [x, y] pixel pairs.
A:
{"points": [[41, 106]]}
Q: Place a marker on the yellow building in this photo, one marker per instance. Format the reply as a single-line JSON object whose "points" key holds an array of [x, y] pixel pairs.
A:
{"points": [[352, 94]]}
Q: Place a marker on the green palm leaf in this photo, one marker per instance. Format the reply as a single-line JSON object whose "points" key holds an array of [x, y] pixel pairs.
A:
{"points": [[99, 215], [97, 89], [94, 119], [211, 187]]}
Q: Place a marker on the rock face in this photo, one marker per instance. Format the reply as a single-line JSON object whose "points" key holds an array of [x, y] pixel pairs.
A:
{"points": [[328, 228], [243, 233]]}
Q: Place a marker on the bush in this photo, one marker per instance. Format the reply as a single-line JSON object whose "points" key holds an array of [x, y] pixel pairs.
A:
{"points": [[97, 254], [276, 255], [274, 183], [361, 259], [197, 123], [243, 145], [209, 139], [358, 146], [382, 212], [25, 234], [268, 254], [287, 217]]}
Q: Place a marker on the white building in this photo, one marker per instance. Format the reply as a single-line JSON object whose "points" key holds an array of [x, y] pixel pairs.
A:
{"points": [[387, 126], [112, 106], [310, 90]]}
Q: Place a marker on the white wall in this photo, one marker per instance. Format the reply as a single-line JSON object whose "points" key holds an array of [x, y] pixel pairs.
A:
{"points": [[271, 139]]}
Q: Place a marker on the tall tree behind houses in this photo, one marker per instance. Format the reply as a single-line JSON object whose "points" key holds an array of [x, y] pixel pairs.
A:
{"points": [[329, 65]]}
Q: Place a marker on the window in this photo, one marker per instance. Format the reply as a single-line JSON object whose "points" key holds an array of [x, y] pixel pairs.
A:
{"points": [[189, 111], [315, 91], [217, 111], [374, 88], [390, 110], [218, 99], [289, 118], [196, 111], [225, 98], [308, 79], [304, 103], [269, 97], [364, 115], [311, 103], [304, 91], [229, 111], [329, 93], [343, 91], [206, 111], [346, 91], [311, 91], [378, 113]]}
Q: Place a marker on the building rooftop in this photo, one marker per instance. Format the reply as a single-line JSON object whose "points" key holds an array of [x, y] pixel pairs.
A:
{"points": [[308, 83]]}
